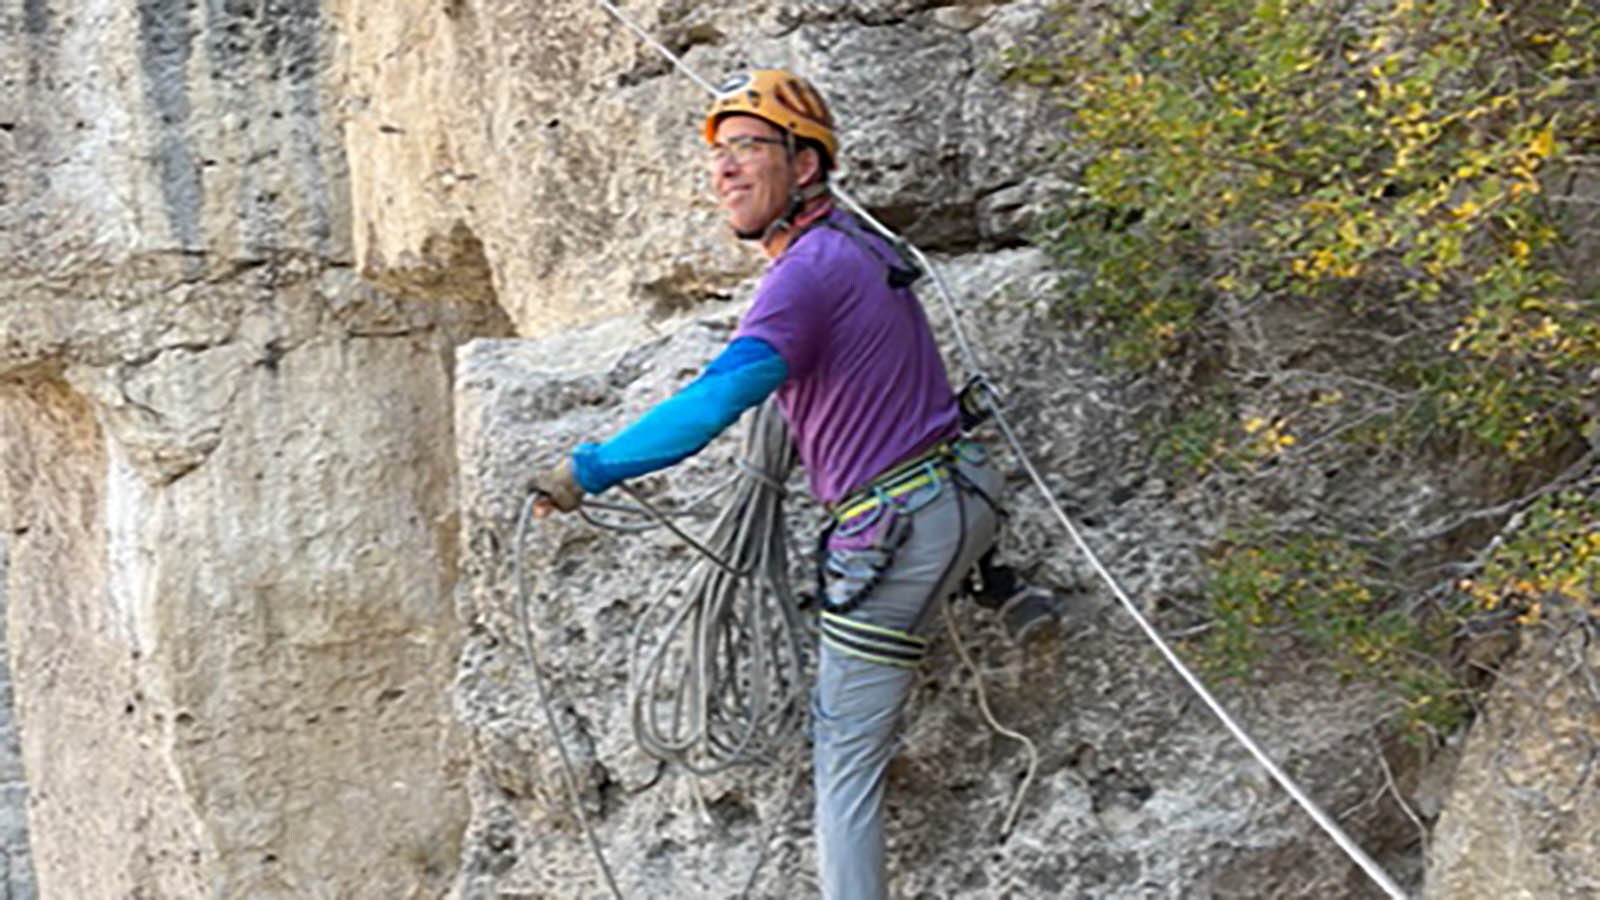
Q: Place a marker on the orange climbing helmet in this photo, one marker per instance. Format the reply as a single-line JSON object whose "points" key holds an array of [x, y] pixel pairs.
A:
{"points": [[780, 97]]}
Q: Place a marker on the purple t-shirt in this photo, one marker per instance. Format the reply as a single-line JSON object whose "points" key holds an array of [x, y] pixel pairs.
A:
{"points": [[866, 386]]}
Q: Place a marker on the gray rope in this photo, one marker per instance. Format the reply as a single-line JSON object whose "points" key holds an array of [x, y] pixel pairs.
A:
{"points": [[721, 683], [531, 658], [717, 680]]}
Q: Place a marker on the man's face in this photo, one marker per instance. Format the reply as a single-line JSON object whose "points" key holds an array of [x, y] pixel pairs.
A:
{"points": [[752, 186]]}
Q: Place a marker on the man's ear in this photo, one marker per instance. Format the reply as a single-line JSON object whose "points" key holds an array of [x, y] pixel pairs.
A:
{"points": [[807, 167]]}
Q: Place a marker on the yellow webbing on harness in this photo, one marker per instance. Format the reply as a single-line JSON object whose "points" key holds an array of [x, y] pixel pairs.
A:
{"points": [[897, 482]]}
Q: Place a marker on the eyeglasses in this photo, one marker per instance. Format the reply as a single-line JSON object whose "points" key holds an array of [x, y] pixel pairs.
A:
{"points": [[741, 149]]}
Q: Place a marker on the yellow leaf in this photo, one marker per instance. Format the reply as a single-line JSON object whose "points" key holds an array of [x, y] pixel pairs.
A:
{"points": [[1543, 144]]}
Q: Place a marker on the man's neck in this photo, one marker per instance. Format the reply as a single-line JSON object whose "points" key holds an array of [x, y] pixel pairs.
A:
{"points": [[814, 209]]}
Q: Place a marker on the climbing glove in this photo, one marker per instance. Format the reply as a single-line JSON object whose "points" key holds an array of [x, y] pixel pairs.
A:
{"points": [[559, 485]]}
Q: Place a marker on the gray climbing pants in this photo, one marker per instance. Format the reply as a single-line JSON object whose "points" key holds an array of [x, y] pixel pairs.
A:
{"points": [[857, 702]]}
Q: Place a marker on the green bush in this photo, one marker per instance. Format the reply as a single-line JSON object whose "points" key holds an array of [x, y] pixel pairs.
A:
{"points": [[1392, 153], [1319, 590], [1413, 168]]}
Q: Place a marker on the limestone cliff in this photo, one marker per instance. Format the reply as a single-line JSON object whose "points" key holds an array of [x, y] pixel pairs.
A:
{"points": [[1522, 820], [257, 487], [226, 477]]}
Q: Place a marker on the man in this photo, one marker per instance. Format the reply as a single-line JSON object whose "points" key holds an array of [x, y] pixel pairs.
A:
{"points": [[837, 333]]}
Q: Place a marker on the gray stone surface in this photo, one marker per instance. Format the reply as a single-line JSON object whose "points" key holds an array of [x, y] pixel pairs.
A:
{"points": [[568, 149], [230, 575], [1519, 823], [1139, 794], [161, 126], [16, 860], [239, 244], [225, 470]]}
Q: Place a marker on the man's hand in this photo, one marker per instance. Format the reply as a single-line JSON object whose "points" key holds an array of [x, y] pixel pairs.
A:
{"points": [[558, 490]]}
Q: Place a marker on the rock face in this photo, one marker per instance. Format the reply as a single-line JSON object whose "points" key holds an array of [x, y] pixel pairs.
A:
{"points": [[1520, 822], [16, 861], [226, 476], [1139, 792], [566, 148], [230, 582], [256, 509]]}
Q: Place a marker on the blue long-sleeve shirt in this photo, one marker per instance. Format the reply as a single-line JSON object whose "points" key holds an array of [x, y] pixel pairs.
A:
{"points": [[743, 375]]}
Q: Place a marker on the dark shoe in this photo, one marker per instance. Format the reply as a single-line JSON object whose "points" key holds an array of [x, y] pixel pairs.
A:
{"points": [[1031, 611]]}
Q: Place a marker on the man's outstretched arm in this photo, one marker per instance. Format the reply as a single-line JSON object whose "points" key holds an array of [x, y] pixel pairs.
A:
{"points": [[743, 375]]}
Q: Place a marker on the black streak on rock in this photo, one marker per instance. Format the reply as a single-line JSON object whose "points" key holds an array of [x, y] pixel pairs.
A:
{"points": [[300, 54], [35, 17], [164, 48]]}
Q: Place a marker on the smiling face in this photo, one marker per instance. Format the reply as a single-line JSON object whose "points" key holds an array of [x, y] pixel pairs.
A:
{"points": [[754, 191]]}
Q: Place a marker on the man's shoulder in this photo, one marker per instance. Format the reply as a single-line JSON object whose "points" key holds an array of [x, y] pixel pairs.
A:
{"points": [[808, 260], [825, 252]]}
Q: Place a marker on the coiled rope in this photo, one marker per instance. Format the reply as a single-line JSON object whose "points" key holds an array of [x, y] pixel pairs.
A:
{"points": [[718, 679]]}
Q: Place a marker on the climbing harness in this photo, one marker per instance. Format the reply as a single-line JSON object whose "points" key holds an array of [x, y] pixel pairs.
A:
{"points": [[884, 509], [712, 623], [924, 470]]}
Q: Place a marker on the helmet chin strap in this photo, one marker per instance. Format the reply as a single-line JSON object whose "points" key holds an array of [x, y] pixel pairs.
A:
{"points": [[798, 198]]}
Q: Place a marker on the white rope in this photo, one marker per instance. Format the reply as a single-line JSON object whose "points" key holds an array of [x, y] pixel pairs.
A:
{"points": [[988, 715], [1350, 847], [632, 26]]}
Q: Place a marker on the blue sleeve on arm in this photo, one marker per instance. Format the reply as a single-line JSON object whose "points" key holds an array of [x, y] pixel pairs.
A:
{"points": [[746, 373]]}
